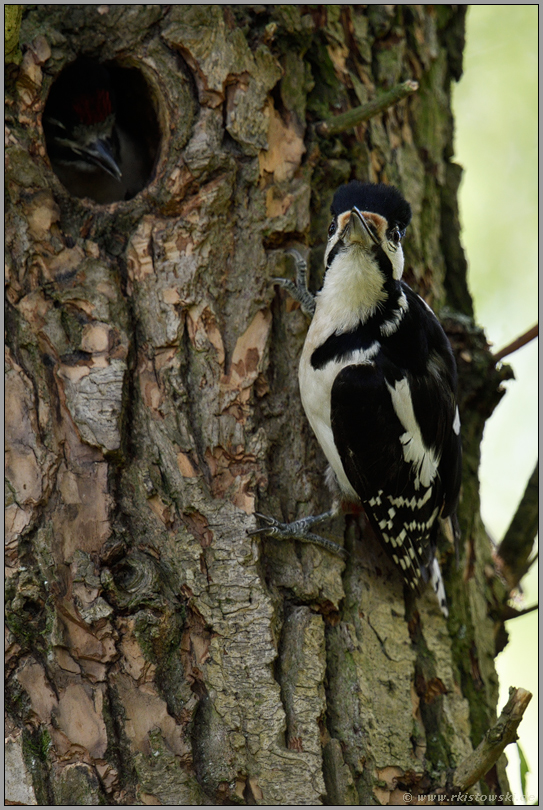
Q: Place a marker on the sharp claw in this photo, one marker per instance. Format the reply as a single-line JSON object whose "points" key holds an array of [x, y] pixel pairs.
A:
{"points": [[252, 532], [298, 530], [272, 522], [269, 520]]}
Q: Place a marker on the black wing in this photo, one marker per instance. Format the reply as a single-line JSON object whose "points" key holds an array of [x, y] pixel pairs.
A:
{"points": [[397, 433]]}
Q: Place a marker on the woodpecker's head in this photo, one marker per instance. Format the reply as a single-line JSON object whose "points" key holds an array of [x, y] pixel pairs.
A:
{"points": [[369, 222], [79, 120]]}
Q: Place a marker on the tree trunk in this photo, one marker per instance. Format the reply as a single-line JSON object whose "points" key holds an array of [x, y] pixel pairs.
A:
{"points": [[157, 654]]}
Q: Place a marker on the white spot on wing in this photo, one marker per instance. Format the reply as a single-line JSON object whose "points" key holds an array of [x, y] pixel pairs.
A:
{"points": [[413, 503], [423, 460]]}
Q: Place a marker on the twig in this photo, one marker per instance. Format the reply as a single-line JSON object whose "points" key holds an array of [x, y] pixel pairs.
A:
{"points": [[518, 343], [511, 613], [490, 749], [515, 549], [531, 561], [339, 123]]}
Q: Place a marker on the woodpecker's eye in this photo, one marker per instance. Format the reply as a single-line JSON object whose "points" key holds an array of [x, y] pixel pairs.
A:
{"points": [[332, 229], [396, 237]]}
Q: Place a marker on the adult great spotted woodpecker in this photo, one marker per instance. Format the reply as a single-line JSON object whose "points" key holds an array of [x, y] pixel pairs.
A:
{"points": [[92, 155], [378, 385]]}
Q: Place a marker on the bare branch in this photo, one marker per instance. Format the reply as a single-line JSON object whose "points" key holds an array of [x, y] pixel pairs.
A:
{"points": [[518, 343], [347, 120], [531, 561], [510, 612], [490, 749], [515, 549]]}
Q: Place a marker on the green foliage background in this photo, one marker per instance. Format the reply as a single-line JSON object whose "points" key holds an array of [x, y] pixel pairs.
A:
{"points": [[496, 108]]}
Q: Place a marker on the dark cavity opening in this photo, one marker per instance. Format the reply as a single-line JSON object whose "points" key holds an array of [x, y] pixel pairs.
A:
{"points": [[101, 130]]}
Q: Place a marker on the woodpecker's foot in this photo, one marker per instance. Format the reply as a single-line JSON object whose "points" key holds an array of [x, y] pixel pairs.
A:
{"points": [[299, 290], [299, 530]]}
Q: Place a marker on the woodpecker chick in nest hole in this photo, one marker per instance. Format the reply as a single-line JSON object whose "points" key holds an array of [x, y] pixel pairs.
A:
{"points": [[90, 152]]}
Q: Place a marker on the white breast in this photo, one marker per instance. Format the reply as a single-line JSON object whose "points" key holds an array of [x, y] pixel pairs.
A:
{"points": [[315, 391], [351, 293]]}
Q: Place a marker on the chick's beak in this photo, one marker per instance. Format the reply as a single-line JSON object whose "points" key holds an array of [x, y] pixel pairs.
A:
{"points": [[358, 231], [101, 155]]}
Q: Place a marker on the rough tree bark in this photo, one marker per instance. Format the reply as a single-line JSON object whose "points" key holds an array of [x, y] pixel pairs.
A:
{"points": [[156, 653]]}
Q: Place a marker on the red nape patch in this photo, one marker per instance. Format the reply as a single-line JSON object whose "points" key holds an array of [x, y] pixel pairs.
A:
{"points": [[92, 109]]}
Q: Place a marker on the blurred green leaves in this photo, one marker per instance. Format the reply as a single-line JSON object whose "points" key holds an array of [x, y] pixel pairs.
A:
{"points": [[496, 106]]}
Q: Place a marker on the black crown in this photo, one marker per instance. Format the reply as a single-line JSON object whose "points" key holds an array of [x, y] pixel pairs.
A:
{"points": [[375, 197]]}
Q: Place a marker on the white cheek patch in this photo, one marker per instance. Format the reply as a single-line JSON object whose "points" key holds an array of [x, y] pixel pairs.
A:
{"points": [[395, 254], [424, 461]]}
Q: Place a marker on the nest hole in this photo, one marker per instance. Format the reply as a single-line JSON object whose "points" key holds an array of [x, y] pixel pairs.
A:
{"points": [[101, 130]]}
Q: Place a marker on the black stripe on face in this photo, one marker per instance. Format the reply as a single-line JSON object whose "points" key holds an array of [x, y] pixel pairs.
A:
{"points": [[334, 252]]}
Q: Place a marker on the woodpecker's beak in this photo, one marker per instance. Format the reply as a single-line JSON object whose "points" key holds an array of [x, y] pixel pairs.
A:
{"points": [[359, 231], [101, 155]]}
